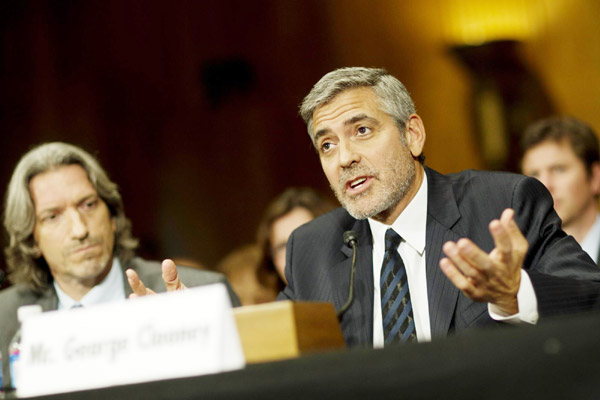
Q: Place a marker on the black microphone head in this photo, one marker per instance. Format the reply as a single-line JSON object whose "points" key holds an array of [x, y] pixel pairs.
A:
{"points": [[2, 276], [350, 238]]}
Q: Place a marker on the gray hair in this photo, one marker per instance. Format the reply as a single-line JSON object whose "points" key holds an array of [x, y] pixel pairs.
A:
{"points": [[393, 97], [22, 256]]}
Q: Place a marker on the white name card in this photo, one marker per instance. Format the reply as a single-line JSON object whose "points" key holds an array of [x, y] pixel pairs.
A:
{"points": [[169, 335]]}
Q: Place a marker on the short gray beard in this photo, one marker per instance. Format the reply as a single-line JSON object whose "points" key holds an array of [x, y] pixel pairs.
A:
{"points": [[402, 176]]}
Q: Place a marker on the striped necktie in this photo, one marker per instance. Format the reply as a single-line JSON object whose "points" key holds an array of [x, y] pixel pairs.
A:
{"points": [[396, 308]]}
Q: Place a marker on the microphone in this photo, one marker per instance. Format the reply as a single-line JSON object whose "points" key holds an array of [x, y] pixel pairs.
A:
{"points": [[350, 240], [2, 276]]}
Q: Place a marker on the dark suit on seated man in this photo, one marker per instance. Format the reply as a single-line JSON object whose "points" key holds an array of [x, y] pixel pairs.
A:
{"points": [[70, 241], [436, 253]]}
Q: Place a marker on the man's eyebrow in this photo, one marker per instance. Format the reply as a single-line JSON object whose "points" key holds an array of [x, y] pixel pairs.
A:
{"points": [[47, 210], [88, 197], [81, 200], [319, 133], [351, 121], [358, 118]]}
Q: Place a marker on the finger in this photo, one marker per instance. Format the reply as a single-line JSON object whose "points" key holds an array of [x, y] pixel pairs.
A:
{"points": [[507, 216], [136, 284], [519, 242], [502, 242], [170, 276], [456, 277], [460, 254], [479, 259]]}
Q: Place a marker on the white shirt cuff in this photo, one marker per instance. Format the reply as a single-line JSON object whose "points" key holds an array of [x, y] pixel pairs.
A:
{"points": [[528, 312]]}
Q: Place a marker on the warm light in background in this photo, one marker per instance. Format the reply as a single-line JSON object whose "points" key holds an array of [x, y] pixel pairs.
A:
{"points": [[473, 22]]}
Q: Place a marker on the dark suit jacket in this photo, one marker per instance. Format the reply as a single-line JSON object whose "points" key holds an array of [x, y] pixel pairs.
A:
{"points": [[150, 273], [459, 205]]}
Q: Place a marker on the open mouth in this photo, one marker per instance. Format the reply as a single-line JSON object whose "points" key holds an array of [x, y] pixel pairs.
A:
{"points": [[358, 185], [358, 182]]}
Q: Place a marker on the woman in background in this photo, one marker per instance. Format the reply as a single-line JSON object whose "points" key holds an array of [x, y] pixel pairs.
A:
{"points": [[289, 210], [256, 271]]}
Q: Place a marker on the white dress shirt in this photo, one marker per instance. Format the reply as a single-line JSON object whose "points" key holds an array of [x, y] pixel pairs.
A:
{"points": [[411, 225], [112, 288], [591, 243]]}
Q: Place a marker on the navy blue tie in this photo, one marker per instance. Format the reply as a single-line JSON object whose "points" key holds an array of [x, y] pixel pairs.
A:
{"points": [[396, 308]]}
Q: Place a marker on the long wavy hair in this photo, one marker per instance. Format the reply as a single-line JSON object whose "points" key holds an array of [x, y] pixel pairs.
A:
{"points": [[24, 264]]}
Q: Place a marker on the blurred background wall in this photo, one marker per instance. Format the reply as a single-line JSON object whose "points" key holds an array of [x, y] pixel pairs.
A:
{"points": [[192, 105]]}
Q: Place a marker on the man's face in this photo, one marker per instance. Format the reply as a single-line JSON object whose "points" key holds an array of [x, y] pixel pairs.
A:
{"points": [[564, 175], [73, 230], [369, 167]]}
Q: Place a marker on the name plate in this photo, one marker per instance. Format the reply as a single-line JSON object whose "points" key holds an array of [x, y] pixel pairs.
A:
{"points": [[169, 335]]}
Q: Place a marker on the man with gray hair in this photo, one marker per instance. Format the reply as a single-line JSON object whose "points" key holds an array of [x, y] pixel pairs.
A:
{"points": [[437, 254], [70, 241]]}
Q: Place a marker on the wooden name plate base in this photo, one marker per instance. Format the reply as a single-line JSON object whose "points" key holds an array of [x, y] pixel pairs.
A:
{"points": [[286, 329]]}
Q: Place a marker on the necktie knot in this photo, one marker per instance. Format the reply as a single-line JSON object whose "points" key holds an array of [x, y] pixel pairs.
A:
{"points": [[392, 240]]}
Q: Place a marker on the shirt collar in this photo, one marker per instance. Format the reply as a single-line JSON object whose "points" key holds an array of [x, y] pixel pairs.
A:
{"points": [[411, 223], [592, 239], [110, 289]]}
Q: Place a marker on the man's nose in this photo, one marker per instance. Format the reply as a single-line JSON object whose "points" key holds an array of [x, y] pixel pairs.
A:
{"points": [[348, 153], [79, 229]]}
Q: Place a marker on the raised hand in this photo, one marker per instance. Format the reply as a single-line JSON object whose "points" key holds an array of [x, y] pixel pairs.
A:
{"points": [[169, 275], [495, 277]]}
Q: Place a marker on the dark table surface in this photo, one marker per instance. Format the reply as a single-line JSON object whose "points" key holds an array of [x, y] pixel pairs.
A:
{"points": [[558, 359]]}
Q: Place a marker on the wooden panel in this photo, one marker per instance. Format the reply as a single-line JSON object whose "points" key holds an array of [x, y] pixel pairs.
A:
{"points": [[284, 329]]}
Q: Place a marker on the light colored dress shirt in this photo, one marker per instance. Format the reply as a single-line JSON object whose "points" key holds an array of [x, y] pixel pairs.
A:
{"points": [[591, 243], [411, 225], [112, 288]]}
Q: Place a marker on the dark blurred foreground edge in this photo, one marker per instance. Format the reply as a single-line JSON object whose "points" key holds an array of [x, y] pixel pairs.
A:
{"points": [[558, 359]]}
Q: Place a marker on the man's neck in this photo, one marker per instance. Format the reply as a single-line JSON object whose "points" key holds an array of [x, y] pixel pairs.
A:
{"points": [[76, 287], [579, 227]]}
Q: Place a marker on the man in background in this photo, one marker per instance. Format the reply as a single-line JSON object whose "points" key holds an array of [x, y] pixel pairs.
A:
{"points": [[562, 152], [70, 241]]}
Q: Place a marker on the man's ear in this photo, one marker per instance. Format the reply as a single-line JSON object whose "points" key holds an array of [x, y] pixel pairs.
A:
{"points": [[415, 135], [595, 178]]}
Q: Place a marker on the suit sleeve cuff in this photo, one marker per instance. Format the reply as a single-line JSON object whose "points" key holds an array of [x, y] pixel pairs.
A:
{"points": [[528, 312]]}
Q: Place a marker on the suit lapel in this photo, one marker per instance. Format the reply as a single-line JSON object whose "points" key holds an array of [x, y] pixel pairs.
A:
{"points": [[442, 217], [357, 322], [47, 298]]}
